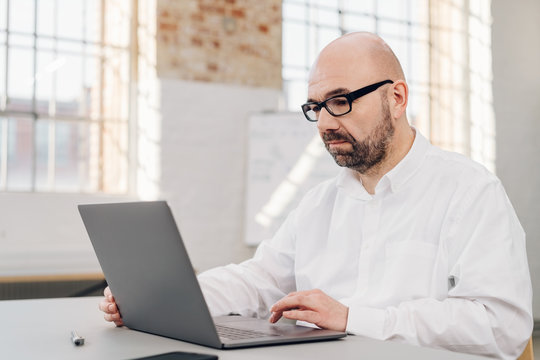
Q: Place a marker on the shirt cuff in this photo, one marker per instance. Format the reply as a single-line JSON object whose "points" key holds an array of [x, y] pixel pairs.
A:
{"points": [[366, 321]]}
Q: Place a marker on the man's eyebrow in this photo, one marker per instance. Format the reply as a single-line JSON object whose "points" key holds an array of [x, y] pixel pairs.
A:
{"points": [[338, 91]]}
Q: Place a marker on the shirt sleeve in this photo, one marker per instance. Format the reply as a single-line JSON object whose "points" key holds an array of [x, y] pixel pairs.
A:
{"points": [[253, 286], [488, 310]]}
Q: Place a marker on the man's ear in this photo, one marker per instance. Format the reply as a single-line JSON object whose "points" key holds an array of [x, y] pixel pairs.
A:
{"points": [[399, 98]]}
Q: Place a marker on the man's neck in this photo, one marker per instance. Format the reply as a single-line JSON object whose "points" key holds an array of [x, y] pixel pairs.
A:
{"points": [[398, 149]]}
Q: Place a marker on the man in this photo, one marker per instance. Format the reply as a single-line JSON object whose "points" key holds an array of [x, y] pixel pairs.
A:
{"points": [[408, 243]]}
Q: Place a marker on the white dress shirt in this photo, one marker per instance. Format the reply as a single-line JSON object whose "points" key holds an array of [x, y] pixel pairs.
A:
{"points": [[436, 257]]}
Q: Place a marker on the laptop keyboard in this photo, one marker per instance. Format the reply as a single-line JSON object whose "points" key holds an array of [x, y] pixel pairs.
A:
{"points": [[229, 333]]}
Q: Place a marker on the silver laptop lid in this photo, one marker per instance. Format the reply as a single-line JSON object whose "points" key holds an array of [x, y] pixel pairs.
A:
{"points": [[153, 282]]}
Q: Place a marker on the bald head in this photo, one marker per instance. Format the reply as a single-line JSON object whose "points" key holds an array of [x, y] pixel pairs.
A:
{"points": [[361, 55], [374, 135]]}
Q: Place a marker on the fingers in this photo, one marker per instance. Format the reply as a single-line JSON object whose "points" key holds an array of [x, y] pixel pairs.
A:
{"points": [[112, 314], [312, 306], [296, 300], [108, 294], [112, 317], [303, 315], [275, 317], [115, 318], [109, 307]]}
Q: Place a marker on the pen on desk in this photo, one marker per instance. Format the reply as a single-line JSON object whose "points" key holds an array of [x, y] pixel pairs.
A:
{"points": [[76, 339]]}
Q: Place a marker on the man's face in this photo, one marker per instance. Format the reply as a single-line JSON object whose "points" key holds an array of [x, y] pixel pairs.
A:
{"points": [[362, 138], [365, 153]]}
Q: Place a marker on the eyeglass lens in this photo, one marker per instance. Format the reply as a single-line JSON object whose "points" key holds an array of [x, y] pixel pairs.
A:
{"points": [[336, 106]]}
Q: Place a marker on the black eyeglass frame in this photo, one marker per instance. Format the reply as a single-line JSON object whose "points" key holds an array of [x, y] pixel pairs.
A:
{"points": [[352, 96]]}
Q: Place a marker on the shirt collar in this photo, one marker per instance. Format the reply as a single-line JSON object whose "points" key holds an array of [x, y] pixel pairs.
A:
{"points": [[406, 168], [351, 183]]}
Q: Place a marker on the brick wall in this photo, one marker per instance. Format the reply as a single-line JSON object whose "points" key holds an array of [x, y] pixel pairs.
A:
{"points": [[227, 41]]}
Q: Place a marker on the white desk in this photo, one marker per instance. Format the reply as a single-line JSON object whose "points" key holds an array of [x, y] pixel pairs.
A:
{"points": [[40, 329]]}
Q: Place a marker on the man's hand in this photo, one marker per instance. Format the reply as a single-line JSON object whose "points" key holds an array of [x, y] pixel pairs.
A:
{"points": [[108, 306], [313, 306]]}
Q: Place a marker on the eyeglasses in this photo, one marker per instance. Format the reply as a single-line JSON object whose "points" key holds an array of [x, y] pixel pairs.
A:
{"points": [[340, 104]]}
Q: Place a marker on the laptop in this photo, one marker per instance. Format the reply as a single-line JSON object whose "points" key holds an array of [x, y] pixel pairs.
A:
{"points": [[146, 265]]}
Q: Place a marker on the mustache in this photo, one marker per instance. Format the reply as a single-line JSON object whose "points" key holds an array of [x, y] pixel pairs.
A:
{"points": [[332, 136]]}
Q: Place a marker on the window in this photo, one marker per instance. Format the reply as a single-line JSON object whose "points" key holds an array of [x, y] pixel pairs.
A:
{"points": [[444, 48], [64, 95]]}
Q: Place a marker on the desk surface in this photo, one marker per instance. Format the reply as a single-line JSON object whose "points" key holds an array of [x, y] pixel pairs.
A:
{"points": [[31, 329]]}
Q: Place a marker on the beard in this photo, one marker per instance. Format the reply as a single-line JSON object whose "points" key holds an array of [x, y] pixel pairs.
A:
{"points": [[367, 153]]}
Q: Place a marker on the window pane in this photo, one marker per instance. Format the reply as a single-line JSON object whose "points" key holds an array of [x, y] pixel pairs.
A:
{"points": [[52, 155], [358, 23], [3, 150], [117, 17], [420, 33], [46, 17], [93, 50], [68, 150], [419, 68], [90, 88], [69, 85], [20, 79], [70, 19], [43, 139], [2, 74], [323, 16], [21, 16], [21, 40], [90, 147], [70, 47], [20, 153], [393, 29], [295, 73], [3, 12], [115, 156], [91, 72], [419, 11], [294, 12], [75, 157], [46, 65], [325, 36], [93, 20], [393, 9], [44, 43], [400, 46], [325, 4], [296, 94], [417, 110], [294, 44], [115, 96], [356, 6]]}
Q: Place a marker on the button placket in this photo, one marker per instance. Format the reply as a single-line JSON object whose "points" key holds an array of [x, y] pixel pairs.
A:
{"points": [[369, 235]]}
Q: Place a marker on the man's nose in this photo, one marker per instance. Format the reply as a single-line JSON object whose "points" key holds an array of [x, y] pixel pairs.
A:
{"points": [[327, 121]]}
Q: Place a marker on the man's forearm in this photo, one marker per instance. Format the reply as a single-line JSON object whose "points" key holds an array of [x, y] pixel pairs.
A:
{"points": [[493, 328]]}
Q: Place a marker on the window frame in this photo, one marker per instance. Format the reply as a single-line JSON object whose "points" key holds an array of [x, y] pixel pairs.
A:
{"points": [[87, 119]]}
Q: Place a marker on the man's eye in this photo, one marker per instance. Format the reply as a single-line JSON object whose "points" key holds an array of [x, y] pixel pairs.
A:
{"points": [[316, 108], [339, 102]]}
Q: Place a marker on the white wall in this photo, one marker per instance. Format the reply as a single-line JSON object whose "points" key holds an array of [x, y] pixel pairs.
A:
{"points": [[42, 234], [203, 164], [516, 85]]}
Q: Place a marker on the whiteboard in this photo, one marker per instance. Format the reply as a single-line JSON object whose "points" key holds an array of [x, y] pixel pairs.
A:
{"points": [[285, 159]]}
